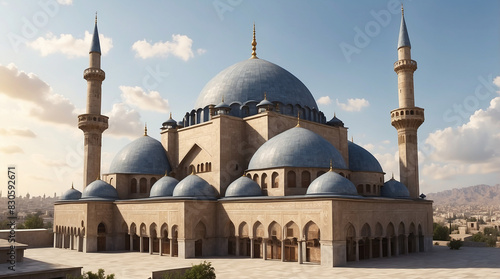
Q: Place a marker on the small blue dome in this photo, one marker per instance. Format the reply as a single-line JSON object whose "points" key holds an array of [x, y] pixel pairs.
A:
{"points": [[144, 155], [394, 189], [265, 102], [335, 122], [100, 190], [164, 187], [194, 186], [71, 194], [169, 123], [249, 79], [331, 183], [362, 160], [243, 187], [296, 147], [222, 105]]}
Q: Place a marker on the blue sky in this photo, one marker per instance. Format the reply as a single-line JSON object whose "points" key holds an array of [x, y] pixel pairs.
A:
{"points": [[158, 55]]}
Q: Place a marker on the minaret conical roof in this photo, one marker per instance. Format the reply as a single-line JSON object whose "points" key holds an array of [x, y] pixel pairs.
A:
{"points": [[404, 39], [95, 46]]}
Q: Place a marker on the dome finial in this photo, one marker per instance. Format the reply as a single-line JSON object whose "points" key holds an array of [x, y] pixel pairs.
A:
{"points": [[95, 17], [334, 115], [170, 115], [192, 171], [72, 185], [393, 175], [145, 128], [298, 119], [254, 45], [402, 9], [352, 139], [265, 95], [331, 165]]}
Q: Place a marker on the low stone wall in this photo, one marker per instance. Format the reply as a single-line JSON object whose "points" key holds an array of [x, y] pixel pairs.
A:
{"points": [[34, 238], [465, 243], [162, 273]]}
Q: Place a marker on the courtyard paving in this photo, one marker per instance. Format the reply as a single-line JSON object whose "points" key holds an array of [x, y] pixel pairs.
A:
{"points": [[441, 262]]}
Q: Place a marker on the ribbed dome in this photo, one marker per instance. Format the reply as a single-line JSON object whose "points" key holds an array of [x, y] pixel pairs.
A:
{"points": [[164, 187], [331, 183], [71, 194], [296, 147], [144, 155], [362, 160], [249, 79], [394, 189], [194, 186], [100, 190], [243, 187]]}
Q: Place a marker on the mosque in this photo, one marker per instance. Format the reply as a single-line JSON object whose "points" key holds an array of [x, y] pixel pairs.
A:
{"points": [[253, 170]]}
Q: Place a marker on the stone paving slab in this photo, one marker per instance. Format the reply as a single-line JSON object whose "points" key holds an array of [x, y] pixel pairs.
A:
{"points": [[441, 262]]}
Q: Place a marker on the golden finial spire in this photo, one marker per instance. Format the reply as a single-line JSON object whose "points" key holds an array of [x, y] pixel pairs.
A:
{"points": [[331, 165], [254, 44], [393, 175], [96, 17], [334, 115], [244, 174], [265, 96], [402, 9], [223, 98], [192, 171], [145, 129], [72, 185], [170, 115], [352, 139], [298, 119]]}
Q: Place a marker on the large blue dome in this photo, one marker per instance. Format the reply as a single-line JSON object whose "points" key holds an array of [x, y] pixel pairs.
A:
{"points": [[296, 147], [362, 160], [99, 190], [243, 187], [249, 79], [144, 155], [331, 183], [71, 194]]}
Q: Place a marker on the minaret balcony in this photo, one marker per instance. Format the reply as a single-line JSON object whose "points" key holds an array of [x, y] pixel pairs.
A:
{"points": [[92, 122], [94, 73], [407, 117], [405, 64]]}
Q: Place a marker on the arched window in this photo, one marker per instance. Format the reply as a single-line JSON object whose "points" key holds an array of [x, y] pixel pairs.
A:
{"points": [[256, 178], [143, 184], [198, 168], [263, 181], [202, 167], [133, 186], [291, 179], [275, 180], [101, 228], [306, 179], [153, 181]]}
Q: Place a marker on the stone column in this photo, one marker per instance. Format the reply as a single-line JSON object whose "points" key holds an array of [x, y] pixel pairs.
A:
{"points": [[417, 244], [299, 252], [55, 240], [406, 245], [282, 250], [251, 248], [62, 241], [172, 247], [131, 240], [381, 248], [237, 241], [264, 249], [389, 247], [160, 246], [370, 250], [70, 242], [141, 245], [396, 251], [150, 245], [357, 250]]}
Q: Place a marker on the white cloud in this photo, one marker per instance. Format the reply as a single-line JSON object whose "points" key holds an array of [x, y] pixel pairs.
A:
{"points": [[136, 96], [201, 51], [11, 149], [180, 46], [17, 132], [389, 163], [124, 122], [496, 81], [69, 45], [353, 104], [65, 2], [46, 105], [325, 100]]}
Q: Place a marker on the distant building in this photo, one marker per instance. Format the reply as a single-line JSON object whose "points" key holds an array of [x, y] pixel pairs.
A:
{"points": [[254, 169]]}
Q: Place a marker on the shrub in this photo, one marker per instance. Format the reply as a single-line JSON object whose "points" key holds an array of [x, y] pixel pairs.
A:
{"points": [[441, 232], [455, 244], [91, 275], [203, 270]]}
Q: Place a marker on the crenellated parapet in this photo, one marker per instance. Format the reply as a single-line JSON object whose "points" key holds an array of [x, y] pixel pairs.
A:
{"points": [[405, 65], [94, 74]]}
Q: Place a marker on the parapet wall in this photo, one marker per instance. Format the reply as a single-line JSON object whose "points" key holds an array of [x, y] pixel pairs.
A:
{"points": [[34, 238]]}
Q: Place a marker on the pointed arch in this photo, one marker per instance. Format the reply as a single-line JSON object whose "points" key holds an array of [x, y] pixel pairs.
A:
{"points": [[350, 233], [313, 248]]}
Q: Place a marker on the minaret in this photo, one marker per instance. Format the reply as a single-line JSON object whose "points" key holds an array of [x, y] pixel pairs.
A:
{"points": [[407, 118], [93, 123]]}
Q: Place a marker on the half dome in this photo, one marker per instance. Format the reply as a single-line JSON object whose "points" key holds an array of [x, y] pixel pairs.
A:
{"points": [[394, 189], [144, 155], [296, 147], [249, 79], [361, 159], [331, 183], [71, 194], [243, 187], [100, 190], [194, 186], [164, 187]]}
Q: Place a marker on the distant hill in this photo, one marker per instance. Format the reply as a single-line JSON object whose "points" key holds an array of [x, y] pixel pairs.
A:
{"points": [[473, 195]]}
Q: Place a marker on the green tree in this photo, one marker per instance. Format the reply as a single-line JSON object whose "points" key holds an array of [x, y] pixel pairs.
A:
{"points": [[441, 232], [91, 275], [203, 270], [33, 221]]}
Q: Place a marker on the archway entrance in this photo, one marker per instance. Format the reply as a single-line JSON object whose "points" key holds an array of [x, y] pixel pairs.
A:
{"points": [[101, 237]]}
